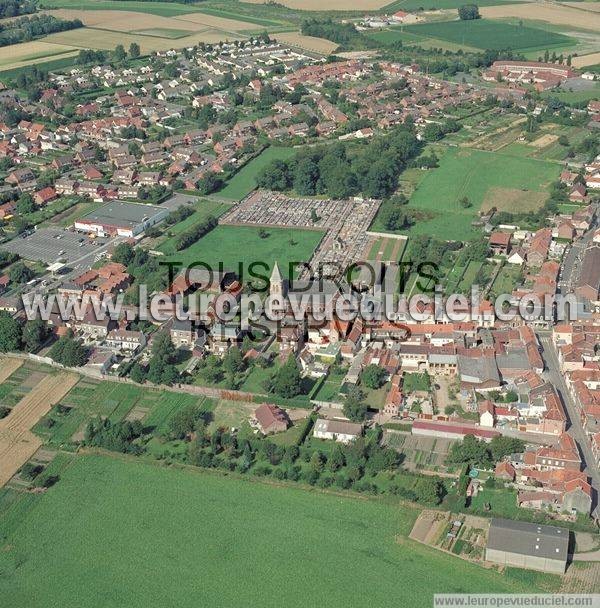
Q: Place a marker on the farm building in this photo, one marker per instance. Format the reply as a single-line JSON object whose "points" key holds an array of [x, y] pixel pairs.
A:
{"points": [[121, 219], [339, 430], [527, 545]]}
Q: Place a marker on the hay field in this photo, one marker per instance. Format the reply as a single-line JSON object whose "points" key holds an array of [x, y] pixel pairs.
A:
{"points": [[509, 199], [121, 21], [15, 55], [309, 43], [107, 40], [329, 5], [220, 23], [585, 6], [552, 13], [8, 365], [585, 60], [129, 21], [17, 443]]}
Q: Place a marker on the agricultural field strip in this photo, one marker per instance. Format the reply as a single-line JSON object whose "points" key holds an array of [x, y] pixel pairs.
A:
{"points": [[8, 365], [17, 443]]}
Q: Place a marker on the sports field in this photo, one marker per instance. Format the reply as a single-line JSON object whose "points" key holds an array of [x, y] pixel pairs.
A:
{"points": [[116, 532], [235, 245], [486, 179], [244, 181], [488, 34]]}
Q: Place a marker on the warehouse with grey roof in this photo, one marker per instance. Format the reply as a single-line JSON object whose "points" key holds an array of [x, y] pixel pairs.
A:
{"points": [[528, 545], [121, 219]]}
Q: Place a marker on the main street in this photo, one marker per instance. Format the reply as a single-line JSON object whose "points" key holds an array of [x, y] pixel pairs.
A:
{"points": [[554, 375]]}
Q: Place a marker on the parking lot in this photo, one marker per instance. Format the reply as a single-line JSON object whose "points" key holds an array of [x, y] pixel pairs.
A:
{"points": [[49, 245]]}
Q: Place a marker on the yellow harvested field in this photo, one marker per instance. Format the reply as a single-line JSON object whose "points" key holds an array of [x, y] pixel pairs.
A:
{"points": [[17, 443], [544, 140], [31, 52], [308, 43], [104, 39], [122, 21], [585, 6], [552, 13], [220, 23], [8, 365], [509, 199], [585, 60], [329, 5]]}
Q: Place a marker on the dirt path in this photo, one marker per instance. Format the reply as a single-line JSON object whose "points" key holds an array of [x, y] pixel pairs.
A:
{"points": [[8, 365], [17, 442]]}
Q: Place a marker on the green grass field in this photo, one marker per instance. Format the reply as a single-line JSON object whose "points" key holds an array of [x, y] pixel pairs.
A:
{"points": [[489, 34], [481, 176], [118, 533], [204, 208], [235, 245], [244, 181]]}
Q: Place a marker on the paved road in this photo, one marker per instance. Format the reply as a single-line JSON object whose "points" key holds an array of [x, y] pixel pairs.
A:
{"points": [[571, 263], [555, 376]]}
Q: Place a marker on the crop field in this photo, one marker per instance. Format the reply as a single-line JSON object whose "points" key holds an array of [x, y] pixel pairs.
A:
{"points": [[121, 532], [308, 43], [17, 442], [557, 14], [27, 53], [241, 245], [488, 34], [328, 5], [410, 5], [484, 178], [244, 181]]}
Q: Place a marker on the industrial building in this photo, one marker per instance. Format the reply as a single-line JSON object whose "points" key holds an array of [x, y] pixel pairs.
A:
{"points": [[527, 545], [121, 219]]}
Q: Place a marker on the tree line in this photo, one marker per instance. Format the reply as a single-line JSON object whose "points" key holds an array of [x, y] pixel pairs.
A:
{"points": [[29, 28]]}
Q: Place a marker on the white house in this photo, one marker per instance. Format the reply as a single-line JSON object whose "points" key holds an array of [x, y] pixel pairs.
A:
{"points": [[338, 430]]}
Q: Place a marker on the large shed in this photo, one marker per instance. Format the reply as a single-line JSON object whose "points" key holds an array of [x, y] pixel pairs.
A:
{"points": [[527, 545]]}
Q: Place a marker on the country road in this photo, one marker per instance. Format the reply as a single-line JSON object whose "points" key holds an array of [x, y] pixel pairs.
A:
{"points": [[556, 377]]}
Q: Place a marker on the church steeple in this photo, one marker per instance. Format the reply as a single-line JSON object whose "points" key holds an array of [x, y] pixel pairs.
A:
{"points": [[276, 285]]}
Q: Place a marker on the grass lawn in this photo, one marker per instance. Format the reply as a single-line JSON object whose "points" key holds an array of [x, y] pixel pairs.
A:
{"points": [[244, 181], [241, 245], [490, 34], [204, 209], [116, 532], [507, 279], [485, 178], [416, 382], [574, 96]]}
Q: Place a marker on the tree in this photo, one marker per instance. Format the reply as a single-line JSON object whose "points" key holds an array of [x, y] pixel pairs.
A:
{"points": [[184, 421], [468, 12], [10, 333], [134, 50], [233, 362], [287, 380], [502, 446], [373, 376], [469, 450], [354, 407], [465, 202], [123, 253], [68, 352], [429, 490], [137, 373], [19, 273], [35, 334], [119, 53], [317, 461], [25, 204]]}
